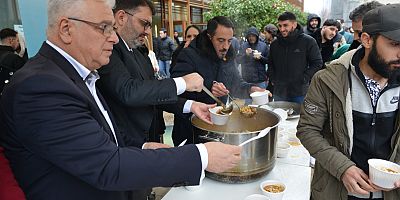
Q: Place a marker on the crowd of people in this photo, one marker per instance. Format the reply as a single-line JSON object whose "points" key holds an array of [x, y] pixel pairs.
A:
{"points": [[83, 119]]}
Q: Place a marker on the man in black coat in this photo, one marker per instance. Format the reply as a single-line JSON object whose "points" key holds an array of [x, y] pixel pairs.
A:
{"points": [[293, 59], [59, 134], [129, 87], [324, 38], [128, 84], [212, 56], [10, 62]]}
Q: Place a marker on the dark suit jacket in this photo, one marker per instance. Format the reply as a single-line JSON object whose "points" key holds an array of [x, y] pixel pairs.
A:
{"points": [[130, 89], [60, 147]]}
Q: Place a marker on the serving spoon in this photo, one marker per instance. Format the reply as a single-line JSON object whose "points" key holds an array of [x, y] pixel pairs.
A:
{"points": [[226, 109], [262, 133]]}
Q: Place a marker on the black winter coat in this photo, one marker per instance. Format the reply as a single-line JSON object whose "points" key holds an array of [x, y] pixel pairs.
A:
{"points": [[9, 64], [292, 63], [164, 48], [326, 48], [200, 57]]}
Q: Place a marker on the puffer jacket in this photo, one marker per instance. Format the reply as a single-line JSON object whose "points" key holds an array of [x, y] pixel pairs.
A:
{"points": [[307, 29], [253, 70], [326, 128], [292, 62]]}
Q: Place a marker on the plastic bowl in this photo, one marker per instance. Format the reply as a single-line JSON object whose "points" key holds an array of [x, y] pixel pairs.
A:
{"points": [[383, 173], [273, 195], [217, 118], [282, 149], [256, 197], [260, 98], [257, 54]]}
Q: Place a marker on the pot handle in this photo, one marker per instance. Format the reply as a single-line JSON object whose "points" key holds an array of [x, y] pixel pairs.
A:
{"points": [[212, 137]]}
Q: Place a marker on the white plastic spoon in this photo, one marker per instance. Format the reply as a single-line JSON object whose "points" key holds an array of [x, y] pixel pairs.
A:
{"points": [[260, 135]]}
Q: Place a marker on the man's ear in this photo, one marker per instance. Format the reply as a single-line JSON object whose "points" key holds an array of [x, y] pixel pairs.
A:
{"points": [[120, 18], [366, 40], [64, 30]]}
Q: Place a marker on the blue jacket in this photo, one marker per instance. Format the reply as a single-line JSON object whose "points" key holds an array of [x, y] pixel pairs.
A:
{"points": [[253, 70]]}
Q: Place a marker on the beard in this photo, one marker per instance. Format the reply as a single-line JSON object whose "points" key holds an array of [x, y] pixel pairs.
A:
{"points": [[131, 36], [379, 65]]}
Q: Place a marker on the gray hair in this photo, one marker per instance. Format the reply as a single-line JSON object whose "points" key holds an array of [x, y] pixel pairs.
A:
{"points": [[359, 12], [59, 8]]}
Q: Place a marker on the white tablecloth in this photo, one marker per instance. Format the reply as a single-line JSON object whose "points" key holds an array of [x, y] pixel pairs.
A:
{"points": [[294, 171]]}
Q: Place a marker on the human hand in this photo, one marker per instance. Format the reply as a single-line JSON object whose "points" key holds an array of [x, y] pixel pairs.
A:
{"points": [[219, 89], [249, 51], [155, 145], [201, 111], [194, 82], [396, 186], [222, 157], [356, 181], [187, 43]]}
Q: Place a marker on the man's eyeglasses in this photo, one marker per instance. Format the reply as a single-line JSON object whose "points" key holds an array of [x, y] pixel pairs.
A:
{"points": [[106, 29], [146, 24]]}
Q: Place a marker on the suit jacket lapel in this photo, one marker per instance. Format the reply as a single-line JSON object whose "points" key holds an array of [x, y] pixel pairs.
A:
{"points": [[70, 71], [129, 55]]}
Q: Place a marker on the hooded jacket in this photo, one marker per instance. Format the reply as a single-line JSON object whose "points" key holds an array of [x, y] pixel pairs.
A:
{"points": [[307, 29], [292, 62], [254, 70], [326, 127]]}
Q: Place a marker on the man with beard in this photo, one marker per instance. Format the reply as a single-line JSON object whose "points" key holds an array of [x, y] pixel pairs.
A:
{"points": [[351, 113], [313, 23], [129, 87], [324, 37], [211, 55], [356, 17], [294, 57]]}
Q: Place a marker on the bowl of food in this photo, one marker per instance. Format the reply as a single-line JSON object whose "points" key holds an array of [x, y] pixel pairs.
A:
{"points": [[218, 117], [293, 141], [260, 98], [257, 55], [273, 189], [383, 173], [282, 149]]}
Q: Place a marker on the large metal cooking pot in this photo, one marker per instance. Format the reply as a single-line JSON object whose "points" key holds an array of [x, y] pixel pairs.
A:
{"points": [[258, 157]]}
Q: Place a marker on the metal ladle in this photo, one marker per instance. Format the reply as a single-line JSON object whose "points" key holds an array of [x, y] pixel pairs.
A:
{"points": [[226, 109]]}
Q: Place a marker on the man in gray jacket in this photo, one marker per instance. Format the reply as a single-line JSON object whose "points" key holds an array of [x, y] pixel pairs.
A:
{"points": [[351, 113]]}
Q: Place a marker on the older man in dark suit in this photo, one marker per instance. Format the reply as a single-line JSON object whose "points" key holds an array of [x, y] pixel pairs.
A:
{"points": [[61, 139]]}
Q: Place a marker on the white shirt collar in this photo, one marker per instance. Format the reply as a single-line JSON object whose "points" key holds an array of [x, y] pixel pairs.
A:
{"points": [[126, 45]]}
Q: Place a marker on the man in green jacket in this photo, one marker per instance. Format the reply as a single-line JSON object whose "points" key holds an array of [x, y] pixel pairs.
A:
{"points": [[351, 113]]}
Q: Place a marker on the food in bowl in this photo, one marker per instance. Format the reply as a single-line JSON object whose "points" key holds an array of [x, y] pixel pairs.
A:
{"points": [[216, 118], [274, 188], [383, 173], [248, 111], [220, 112], [386, 169]]}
